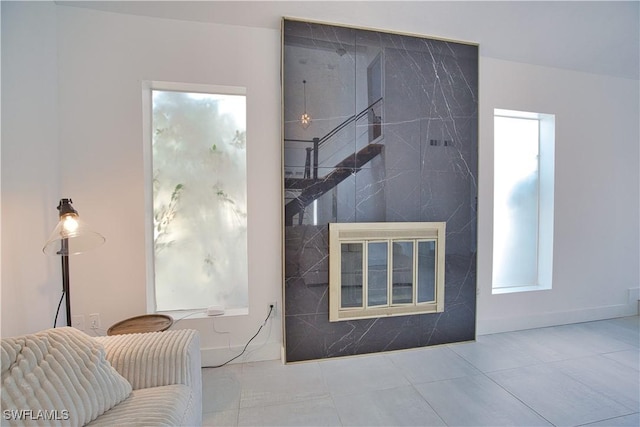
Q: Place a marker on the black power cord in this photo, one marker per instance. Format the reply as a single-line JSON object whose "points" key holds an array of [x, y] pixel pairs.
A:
{"points": [[248, 342], [55, 321]]}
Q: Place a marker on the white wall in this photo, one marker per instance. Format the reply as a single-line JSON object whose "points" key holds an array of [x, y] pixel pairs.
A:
{"points": [[103, 59], [91, 103], [596, 212], [31, 284]]}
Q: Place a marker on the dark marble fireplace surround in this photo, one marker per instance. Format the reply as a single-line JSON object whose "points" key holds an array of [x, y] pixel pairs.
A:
{"points": [[427, 125]]}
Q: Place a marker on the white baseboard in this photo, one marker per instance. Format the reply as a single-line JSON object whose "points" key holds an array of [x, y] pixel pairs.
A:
{"points": [[254, 353], [541, 320]]}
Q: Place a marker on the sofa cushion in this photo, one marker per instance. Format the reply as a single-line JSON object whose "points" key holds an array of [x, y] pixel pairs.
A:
{"points": [[61, 373], [169, 405]]}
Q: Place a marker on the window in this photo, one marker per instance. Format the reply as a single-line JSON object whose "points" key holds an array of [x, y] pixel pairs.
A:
{"points": [[197, 197], [385, 269], [523, 201]]}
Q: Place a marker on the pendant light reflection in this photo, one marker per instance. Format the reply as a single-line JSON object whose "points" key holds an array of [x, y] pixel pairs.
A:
{"points": [[305, 118]]}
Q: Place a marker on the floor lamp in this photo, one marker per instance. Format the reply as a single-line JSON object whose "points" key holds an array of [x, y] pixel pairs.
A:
{"points": [[70, 237]]}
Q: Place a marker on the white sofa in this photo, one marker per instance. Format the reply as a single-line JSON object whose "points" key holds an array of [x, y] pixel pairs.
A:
{"points": [[64, 377]]}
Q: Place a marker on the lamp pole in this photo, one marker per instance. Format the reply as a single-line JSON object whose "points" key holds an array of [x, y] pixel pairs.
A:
{"points": [[69, 228], [64, 252]]}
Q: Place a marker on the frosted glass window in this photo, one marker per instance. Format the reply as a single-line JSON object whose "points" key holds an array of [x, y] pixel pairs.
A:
{"points": [[515, 201], [522, 200], [199, 199]]}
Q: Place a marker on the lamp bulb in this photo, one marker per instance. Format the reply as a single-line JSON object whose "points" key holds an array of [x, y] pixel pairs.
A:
{"points": [[70, 224]]}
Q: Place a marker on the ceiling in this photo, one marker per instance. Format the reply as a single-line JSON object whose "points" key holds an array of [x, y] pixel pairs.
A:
{"points": [[601, 37]]}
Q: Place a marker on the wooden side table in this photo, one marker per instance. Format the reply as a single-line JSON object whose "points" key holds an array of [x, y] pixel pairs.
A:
{"points": [[140, 324]]}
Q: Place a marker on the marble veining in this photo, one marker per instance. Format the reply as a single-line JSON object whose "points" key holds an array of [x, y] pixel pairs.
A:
{"points": [[426, 125]]}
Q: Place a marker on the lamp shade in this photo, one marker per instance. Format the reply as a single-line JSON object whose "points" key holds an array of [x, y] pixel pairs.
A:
{"points": [[71, 236]]}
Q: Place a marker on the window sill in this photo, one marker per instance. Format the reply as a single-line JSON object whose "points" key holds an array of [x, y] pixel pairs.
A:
{"points": [[202, 314], [516, 289]]}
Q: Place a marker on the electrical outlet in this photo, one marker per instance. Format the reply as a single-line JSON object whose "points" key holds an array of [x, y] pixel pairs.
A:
{"points": [[94, 321], [77, 321], [275, 308]]}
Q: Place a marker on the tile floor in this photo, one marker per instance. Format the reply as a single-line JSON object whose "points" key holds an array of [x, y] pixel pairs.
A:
{"points": [[572, 375]]}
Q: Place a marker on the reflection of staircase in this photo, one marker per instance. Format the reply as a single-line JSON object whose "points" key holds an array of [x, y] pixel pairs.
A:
{"points": [[312, 188]]}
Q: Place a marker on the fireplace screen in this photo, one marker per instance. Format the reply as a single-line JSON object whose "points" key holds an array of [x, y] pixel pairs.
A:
{"points": [[385, 269]]}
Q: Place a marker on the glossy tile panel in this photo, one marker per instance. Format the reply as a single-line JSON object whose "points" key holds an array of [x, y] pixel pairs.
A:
{"points": [[393, 138]]}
